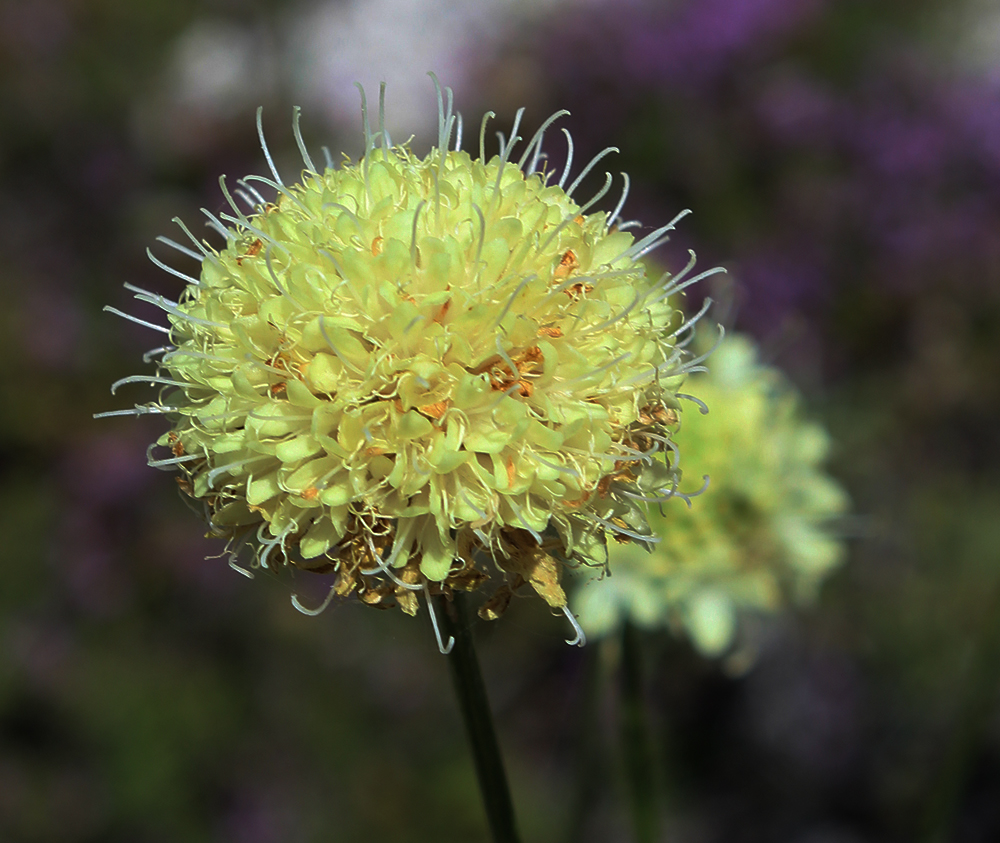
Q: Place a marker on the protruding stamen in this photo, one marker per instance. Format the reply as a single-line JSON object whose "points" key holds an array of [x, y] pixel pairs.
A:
{"points": [[258, 197], [662, 498], [413, 233], [702, 406], [239, 569], [384, 138], [197, 243], [621, 202], [263, 144], [365, 128], [147, 296], [277, 283], [306, 158], [482, 238], [214, 223], [176, 273], [607, 323], [442, 647], [671, 289], [140, 410], [248, 200], [482, 134], [382, 567], [651, 241], [445, 118], [535, 144], [172, 308], [184, 250], [135, 319], [320, 608], [688, 325], [686, 496], [232, 202], [171, 461], [703, 357], [283, 190], [223, 469], [579, 639], [597, 197], [590, 166], [569, 156], [639, 537], [149, 379], [247, 225]]}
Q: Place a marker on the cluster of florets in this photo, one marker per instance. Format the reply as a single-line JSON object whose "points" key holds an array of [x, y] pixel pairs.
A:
{"points": [[758, 538], [415, 372]]}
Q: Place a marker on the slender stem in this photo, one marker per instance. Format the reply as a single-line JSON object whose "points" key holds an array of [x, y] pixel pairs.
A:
{"points": [[475, 706], [591, 762], [636, 741]]}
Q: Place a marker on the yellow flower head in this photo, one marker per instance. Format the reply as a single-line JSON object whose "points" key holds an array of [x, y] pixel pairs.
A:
{"points": [[759, 535], [410, 371]]}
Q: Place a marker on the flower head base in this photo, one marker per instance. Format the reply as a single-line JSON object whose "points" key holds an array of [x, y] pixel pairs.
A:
{"points": [[404, 368], [759, 535]]}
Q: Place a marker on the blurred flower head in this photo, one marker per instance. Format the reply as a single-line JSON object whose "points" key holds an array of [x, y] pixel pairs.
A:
{"points": [[411, 372], [756, 539]]}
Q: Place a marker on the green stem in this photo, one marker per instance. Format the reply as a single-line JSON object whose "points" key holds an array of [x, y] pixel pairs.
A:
{"points": [[590, 761], [639, 767], [475, 707]]}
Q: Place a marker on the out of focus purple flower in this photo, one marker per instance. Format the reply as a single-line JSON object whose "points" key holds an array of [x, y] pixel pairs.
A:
{"points": [[973, 112], [792, 278], [796, 109], [689, 44], [815, 180]]}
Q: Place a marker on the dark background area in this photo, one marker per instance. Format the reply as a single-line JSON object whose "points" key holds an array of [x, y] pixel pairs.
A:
{"points": [[842, 158]]}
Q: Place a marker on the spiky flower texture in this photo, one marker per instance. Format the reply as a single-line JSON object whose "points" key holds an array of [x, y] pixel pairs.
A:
{"points": [[409, 370], [759, 538]]}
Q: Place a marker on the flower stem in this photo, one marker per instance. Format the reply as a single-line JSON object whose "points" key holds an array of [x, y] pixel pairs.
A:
{"points": [[475, 706], [591, 762], [639, 767]]}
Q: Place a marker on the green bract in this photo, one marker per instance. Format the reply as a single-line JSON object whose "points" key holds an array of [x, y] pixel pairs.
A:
{"points": [[404, 369], [757, 537]]}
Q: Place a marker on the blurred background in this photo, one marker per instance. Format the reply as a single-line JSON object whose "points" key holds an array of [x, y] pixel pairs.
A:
{"points": [[842, 159]]}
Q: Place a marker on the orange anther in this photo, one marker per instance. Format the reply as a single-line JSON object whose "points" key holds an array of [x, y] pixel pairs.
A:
{"points": [[435, 410], [567, 264]]}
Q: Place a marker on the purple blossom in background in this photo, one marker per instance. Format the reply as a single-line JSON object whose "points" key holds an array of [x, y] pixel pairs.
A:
{"points": [[811, 181], [694, 43], [792, 277]]}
